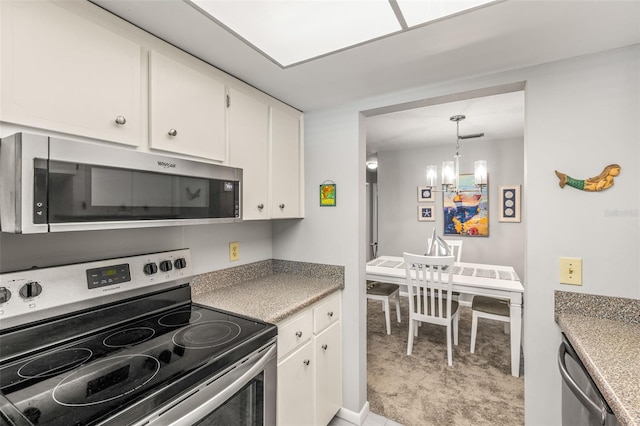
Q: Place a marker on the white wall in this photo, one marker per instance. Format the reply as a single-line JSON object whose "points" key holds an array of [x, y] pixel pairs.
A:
{"points": [[209, 245], [581, 114], [401, 172]]}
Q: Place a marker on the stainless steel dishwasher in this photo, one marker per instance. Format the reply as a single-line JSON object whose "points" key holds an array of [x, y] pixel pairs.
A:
{"points": [[582, 402]]}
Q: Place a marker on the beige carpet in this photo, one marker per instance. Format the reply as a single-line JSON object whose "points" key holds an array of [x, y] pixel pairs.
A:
{"points": [[422, 390]]}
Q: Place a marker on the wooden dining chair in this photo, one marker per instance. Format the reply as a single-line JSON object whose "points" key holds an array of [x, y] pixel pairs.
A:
{"points": [[427, 290], [490, 308], [384, 292]]}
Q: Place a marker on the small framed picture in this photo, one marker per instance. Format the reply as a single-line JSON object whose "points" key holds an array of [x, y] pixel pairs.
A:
{"points": [[425, 194], [509, 203], [426, 213], [328, 194]]}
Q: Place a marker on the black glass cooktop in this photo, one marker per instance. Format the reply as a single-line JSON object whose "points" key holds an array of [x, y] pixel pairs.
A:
{"points": [[87, 376]]}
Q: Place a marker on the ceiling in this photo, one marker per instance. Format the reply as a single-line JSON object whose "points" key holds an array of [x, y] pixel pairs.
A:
{"points": [[497, 37], [497, 116]]}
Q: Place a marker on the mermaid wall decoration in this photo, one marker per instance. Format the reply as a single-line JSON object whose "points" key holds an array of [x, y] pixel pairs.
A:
{"points": [[597, 183]]}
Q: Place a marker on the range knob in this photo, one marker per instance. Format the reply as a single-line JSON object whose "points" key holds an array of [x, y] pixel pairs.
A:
{"points": [[180, 263], [166, 266], [5, 295], [30, 289], [150, 268]]}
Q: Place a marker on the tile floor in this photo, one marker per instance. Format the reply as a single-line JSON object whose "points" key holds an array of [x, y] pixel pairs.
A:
{"points": [[371, 420]]}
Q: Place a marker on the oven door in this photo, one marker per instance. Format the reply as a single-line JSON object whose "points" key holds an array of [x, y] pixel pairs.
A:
{"points": [[244, 396]]}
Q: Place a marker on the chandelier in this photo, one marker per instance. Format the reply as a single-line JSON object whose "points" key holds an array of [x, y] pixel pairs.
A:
{"points": [[451, 169]]}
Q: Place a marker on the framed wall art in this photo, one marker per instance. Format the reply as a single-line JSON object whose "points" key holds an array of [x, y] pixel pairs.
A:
{"points": [[328, 194], [426, 194], [466, 213], [426, 212], [509, 203]]}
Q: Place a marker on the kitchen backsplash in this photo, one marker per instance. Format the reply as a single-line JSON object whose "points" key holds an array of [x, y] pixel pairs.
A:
{"points": [[612, 308]]}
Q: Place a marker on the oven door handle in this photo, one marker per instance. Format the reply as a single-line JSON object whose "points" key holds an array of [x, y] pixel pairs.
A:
{"points": [[199, 403]]}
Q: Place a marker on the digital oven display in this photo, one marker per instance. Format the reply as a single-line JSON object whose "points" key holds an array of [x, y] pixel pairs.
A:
{"points": [[108, 275]]}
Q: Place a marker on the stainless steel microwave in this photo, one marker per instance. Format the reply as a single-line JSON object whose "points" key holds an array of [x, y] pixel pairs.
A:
{"points": [[49, 184]]}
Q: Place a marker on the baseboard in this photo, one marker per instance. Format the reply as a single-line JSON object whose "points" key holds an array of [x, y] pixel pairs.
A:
{"points": [[352, 416]]}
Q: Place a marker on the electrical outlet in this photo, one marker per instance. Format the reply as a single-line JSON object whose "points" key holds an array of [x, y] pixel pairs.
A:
{"points": [[570, 270], [234, 251]]}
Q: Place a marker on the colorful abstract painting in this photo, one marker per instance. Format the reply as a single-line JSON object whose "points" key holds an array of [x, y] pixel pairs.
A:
{"points": [[467, 213]]}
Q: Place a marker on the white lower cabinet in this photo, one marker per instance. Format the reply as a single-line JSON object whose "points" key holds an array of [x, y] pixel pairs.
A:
{"points": [[310, 365], [295, 388], [328, 355]]}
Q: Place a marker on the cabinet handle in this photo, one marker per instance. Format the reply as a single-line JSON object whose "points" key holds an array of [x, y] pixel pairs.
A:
{"points": [[299, 333], [260, 206], [173, 132], [281, 206], [330, 313], [120, 120], [306, 362], [324, 347]]}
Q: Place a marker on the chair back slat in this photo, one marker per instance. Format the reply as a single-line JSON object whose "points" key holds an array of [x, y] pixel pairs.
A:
{"points": [[428, 287]]}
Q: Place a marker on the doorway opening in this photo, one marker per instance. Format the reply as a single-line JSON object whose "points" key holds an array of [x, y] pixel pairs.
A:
{"points": [[403, 139]]}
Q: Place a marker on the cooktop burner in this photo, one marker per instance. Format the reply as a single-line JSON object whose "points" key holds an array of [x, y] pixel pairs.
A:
{"points": [[54, 363], [128, 337], [182, 317], [207, 334], [106, 380]]}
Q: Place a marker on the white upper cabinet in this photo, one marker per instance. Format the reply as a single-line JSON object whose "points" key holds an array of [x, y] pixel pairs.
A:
{"points": [[286, 164], [265, 141], [61, 72], [186, 108], [249, 150]]}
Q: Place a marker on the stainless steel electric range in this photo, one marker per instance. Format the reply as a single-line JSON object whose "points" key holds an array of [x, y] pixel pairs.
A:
{"points": [[119, 341]]}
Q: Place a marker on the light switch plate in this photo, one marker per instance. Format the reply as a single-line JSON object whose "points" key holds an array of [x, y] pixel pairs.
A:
{"points": [[571, 270], [234, 251]]}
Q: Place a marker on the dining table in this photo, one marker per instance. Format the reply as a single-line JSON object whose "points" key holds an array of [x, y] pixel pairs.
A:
{"points": [[468, 278]]}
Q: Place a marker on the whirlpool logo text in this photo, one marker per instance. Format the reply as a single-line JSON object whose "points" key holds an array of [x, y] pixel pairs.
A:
{"points": [[166, 164]]}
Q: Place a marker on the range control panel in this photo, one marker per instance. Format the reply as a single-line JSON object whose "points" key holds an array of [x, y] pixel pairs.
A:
{"points": [[36, 294]]}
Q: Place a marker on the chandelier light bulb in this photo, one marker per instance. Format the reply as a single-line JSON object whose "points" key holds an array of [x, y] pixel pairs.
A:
{"points": [[480, 172], [448, 173], [432, 174]]}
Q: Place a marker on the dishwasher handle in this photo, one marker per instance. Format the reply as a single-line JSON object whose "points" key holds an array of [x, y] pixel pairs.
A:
{"points": [[589, 404]]}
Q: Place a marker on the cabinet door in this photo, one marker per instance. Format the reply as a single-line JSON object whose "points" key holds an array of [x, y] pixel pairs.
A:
{"points": [[249, 150], [328, 357], [186, 108], [295, 388], [286, 170], [62, 72]]}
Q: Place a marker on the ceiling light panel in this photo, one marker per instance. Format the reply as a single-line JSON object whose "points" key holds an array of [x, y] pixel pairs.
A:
{"points": [[418, 12], [292, 31]]}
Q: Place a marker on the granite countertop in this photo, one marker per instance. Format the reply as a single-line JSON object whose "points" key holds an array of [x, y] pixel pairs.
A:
{"points": [[270, 291], [605, 333]]}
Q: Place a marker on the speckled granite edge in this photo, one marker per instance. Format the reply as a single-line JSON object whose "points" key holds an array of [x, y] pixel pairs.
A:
{"points": [[609, 351], [214, 280], [605, 307], [605, 332], [270, 298]]}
